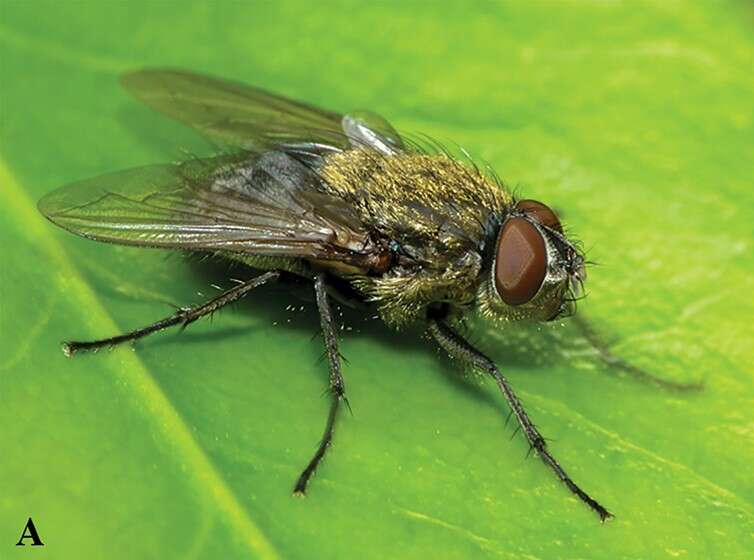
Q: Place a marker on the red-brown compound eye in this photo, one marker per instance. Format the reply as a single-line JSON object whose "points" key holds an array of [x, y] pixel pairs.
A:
{"points": [[541, 213], [520, 262]]}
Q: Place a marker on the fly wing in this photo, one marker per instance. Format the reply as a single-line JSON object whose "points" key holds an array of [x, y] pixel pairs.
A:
{"points": [[263, 205], [253, 119]]}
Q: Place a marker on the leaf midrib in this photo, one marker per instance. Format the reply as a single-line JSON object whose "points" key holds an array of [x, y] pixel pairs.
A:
{"points": [[137, 378]]}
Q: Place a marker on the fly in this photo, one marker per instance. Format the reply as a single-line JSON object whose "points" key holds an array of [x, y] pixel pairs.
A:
{"points": [[348, 204]]}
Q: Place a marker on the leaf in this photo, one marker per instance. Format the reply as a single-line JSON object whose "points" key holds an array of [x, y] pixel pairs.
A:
{"points": [[634, 120]]}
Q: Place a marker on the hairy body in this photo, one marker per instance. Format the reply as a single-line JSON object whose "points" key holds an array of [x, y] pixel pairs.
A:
{"points": [[421, 226], [436, 215]]}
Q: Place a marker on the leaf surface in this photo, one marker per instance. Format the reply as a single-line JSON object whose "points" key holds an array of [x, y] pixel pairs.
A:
{"points": [[634, 120]]}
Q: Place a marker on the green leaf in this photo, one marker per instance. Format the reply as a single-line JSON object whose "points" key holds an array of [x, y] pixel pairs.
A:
{"points": [[634, 120]]}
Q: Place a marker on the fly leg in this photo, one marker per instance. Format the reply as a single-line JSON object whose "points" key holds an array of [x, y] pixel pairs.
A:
{"points": [[456, 346], [337, 387], [606, 355], [183, 316]]}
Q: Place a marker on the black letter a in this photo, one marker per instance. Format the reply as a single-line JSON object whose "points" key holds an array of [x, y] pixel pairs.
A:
{"points": [[30, 532]]}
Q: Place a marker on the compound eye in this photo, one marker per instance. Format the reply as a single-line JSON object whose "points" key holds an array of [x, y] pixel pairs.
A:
{"points": [[520, 262], [540, 212]]}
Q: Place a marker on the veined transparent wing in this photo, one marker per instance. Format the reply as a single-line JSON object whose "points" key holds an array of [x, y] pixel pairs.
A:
{"points": [[253, 119], [262, 205]]}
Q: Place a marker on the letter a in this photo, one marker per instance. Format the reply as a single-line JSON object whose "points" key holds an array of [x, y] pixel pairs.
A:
{"points": [[30, 532]]}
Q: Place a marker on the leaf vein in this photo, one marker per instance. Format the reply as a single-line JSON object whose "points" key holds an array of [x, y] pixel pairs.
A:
{"points": [[166, 418]]}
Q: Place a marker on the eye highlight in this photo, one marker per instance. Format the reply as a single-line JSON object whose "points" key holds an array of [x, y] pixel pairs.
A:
{"points": [[520, 263], [540, 212]]}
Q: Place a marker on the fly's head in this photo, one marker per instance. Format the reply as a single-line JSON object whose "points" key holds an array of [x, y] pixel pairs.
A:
{"points": [[535, 273]]}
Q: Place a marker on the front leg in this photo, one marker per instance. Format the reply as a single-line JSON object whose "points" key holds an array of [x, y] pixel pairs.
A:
{"points": [[455, 345], [613, 361], [337, 386]]}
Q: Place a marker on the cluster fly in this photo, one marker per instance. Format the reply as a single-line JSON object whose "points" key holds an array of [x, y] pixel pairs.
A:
{"points": [[346, 203]]}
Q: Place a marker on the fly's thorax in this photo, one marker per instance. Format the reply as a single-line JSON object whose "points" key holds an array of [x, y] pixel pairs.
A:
{"points": [[533, 270], [435, 214], [415, 197]]}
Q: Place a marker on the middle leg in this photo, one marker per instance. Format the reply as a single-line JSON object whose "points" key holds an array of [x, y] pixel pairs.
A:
{"points": [[337, 386]]}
